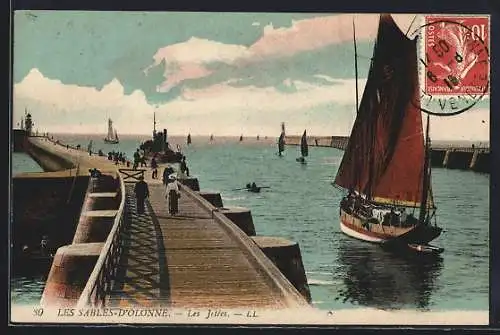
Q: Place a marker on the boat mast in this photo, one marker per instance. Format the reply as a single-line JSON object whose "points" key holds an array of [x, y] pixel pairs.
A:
{"points": [[355, 62], [110, 129], [411, 24], [154, 124], [358, 171], [371, 138], [425, 179]]}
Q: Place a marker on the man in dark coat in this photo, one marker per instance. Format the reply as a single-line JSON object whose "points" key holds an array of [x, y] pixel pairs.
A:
{"points": [[141, 193]]}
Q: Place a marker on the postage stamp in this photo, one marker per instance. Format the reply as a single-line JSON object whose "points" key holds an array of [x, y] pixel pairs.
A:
{"points": [[249, 168], [454, 61]]}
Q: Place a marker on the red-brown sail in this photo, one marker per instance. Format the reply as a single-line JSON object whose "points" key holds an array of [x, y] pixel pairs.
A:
{"points": [[385, 154]]}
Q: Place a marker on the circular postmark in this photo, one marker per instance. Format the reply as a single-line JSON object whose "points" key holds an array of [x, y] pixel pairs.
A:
{"points": [[453, 63]]}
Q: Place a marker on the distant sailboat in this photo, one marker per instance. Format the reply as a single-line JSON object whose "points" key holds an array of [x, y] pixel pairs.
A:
{"points": [[189, 139], [304, 149], [112, 136], [241, 138], [281, 140], [211, 138]]}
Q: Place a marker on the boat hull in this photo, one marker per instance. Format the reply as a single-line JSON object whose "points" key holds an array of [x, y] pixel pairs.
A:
{"points": [[111, 141], [380, 234], [167, 157]]}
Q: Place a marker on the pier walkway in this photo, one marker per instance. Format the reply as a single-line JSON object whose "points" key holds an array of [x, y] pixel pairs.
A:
{"points": [[187, 260], [197, 258]]}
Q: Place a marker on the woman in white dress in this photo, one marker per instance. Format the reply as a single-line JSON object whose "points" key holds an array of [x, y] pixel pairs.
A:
{"points": [[172, 195]]}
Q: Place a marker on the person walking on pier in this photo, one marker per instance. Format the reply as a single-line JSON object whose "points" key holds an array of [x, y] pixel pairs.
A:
{"points": [[141, 193], [154, 167], [172, 195], [137, 158], [166, 173], [142, 161], [184, 169]]}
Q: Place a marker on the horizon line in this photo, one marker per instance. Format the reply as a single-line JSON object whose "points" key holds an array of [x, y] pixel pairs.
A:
{"points": [[244, 135]]}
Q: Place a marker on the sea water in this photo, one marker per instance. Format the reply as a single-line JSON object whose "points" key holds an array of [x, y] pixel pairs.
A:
{"points": [[301, 205]]}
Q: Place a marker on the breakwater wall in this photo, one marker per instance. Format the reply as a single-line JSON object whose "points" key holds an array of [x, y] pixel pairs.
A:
{"points": [[475, 159], [450, 157], [18, 140], [74, 262], [44, 206], [338, 142], [47, 160]]}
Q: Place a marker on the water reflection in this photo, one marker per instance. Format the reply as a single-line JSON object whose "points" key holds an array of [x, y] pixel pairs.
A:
{"points": [[381, 279], [27, 289], [28, 276]]}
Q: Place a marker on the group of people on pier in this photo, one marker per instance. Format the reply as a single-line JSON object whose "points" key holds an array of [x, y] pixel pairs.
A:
{"points": [[117, 157], [139, 159], [172, 192]]}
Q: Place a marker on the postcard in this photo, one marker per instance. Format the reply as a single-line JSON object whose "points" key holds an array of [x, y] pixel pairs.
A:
{"points": [[250, 168]]}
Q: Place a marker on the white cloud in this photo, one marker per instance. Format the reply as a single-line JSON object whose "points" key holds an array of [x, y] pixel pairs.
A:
{"points": [[72, 108], [186, 60], [199, 51], [220, 109], [327, 78], [223, 96]]}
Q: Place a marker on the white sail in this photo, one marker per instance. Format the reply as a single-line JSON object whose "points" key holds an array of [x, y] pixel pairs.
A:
{"points": [[110, 129], [112, 135]]}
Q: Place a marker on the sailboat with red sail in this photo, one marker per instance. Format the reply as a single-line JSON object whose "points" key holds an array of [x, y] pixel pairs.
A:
{"points": [[385, 168]]}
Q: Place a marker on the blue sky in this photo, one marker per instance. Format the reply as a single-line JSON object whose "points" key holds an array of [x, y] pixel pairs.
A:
{"points": [[221, 73]]}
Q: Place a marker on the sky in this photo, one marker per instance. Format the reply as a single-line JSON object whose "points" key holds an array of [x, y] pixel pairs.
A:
{"points": [[201, 73]]}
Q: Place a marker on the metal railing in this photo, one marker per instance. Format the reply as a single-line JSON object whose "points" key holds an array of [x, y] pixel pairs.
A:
{"points": [[132, 175], [101, 279]]}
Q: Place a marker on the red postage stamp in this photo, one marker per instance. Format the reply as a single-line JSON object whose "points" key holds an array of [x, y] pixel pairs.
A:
{"points": [[456, 55]]}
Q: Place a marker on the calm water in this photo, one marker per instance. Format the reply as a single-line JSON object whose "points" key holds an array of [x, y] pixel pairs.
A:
{"points": [[301, 205]]}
